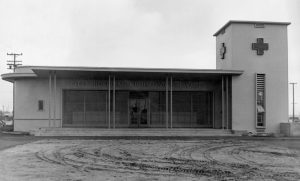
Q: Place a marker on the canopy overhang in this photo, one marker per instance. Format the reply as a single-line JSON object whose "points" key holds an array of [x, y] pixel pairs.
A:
{"points": [[124, 73]]}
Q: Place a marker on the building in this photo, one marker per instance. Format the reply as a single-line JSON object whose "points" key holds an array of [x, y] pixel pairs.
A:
{"points": [[248, 91]]}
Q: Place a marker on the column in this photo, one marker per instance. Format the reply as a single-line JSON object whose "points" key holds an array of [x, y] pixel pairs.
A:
{"points": [[114, 102], [171, 102], [213, 108], [49, 99], [227, 111], [109, 102], [222, 102], [84, 110], [54, 98], [167, 101]]}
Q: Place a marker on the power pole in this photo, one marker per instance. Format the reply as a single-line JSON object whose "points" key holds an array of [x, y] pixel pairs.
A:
{"points": [[293, 84], [13, 64], [2, 113]]}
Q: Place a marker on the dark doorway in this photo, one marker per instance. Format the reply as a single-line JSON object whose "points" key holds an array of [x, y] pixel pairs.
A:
{"points": [[138, 107]]}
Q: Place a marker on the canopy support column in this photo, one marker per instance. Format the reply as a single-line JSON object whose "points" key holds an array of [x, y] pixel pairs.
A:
{"points": [[223, 111], [227, 104], [108, 102], [54, 99], [171, 102], [114, 102], [167, 101], [49, 99]]}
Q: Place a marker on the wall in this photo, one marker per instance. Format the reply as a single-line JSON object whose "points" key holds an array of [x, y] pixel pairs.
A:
{"points": [[27, 115], [29, 91], [274, 63], [225, 37]]}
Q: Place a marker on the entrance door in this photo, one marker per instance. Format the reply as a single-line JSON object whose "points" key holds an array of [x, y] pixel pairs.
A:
{"points": [[138, 107]]}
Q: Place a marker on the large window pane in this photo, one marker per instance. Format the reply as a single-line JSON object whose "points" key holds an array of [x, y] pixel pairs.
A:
{"points": [[85, 109], [201, 110], [181, 109], [157, 109], [122, 109]]}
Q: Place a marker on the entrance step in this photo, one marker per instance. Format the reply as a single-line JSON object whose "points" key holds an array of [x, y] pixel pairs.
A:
{"points": [[153, 132]]}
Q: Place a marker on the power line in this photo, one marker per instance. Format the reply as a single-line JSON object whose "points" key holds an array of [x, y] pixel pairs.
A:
{"points": [[13, 64]]}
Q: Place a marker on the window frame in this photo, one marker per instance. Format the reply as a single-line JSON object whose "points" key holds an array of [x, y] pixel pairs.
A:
{"points": [[259, 76], [41, 105]]}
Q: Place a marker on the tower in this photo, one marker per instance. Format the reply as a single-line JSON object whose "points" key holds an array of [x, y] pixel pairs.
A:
{"points": [[260, 94]]}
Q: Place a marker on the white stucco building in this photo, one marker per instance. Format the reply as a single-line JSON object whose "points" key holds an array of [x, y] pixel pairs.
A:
{"points": [[248, 90]]}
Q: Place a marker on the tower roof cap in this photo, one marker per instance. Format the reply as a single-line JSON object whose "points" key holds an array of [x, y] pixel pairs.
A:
{"points": [[249, 22]]}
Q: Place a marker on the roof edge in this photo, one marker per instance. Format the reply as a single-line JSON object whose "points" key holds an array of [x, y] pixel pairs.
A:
{"points": [[10, 77], [249, 22], [139, 70], [123, 69]]}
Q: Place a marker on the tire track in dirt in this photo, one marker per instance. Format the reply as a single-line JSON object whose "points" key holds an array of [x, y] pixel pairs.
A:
{"points": [[191, 159], [237, 153]]}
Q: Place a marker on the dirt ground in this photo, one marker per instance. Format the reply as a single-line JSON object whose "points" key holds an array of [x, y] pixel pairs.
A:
{"points": [[216, 159], [10, 140]]}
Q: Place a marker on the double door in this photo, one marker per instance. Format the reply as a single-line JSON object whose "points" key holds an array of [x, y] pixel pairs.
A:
{"points": [[139, 111]]}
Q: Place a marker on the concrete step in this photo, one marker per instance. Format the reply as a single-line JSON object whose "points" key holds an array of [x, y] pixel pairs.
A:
{"points": [[153, 132]]}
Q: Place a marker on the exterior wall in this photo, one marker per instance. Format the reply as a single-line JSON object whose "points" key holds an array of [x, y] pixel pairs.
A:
{"points": [[274, 64], [225, 37], [27, 115], [29, 91]]}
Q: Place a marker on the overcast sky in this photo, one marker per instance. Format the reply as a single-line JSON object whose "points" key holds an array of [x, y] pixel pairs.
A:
{"points": [[131, 33]]}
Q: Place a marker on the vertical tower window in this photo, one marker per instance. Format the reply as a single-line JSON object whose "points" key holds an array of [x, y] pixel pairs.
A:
{"points": [[260, 101], [40, 105]]}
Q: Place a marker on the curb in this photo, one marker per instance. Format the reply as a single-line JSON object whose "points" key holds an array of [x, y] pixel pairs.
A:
{"points": [[15, 132]]}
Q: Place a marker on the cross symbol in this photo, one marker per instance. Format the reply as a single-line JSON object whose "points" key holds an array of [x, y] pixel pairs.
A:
{"points": [[260, 46]]}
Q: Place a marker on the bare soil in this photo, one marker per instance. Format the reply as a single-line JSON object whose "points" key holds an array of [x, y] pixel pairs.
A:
{"points": [[149, 160], [8, 140]]}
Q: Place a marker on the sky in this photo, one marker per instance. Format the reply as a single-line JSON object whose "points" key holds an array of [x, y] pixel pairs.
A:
{"points": [[132, 33]]}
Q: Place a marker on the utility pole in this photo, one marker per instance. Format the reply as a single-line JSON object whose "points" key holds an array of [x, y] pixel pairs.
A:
{"points": [[293, 84], [13, 64], [2, 113]]}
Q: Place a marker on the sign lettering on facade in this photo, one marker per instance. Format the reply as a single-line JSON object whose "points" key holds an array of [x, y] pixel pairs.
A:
{"points": [[138, 84]]}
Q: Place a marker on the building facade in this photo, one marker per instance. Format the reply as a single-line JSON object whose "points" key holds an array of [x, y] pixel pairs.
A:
{"points": [[247, 92]]}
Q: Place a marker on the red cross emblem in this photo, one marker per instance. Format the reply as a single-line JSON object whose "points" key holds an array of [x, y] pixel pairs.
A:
{"points": [[260, 46]]}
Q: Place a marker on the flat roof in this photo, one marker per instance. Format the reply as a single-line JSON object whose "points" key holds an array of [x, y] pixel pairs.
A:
{"points": [[249, 22], [132, 69], [96, 72]]}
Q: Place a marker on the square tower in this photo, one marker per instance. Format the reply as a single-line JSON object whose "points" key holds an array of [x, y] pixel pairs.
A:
{"points": [[260, 94]]}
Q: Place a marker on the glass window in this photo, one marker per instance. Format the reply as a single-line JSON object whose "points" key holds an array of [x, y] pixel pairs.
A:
{"points": [[260, 101], [85, 109], [41, 105], [157, 109]]}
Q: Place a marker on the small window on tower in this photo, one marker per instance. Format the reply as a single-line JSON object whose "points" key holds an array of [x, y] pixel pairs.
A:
{"points": [[259, 25], [41, 105]]}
